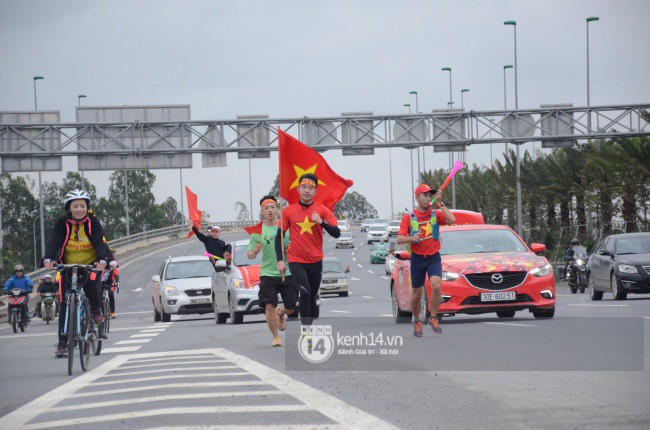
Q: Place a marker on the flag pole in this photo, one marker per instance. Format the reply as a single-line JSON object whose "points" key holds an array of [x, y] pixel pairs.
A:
{"points": [[280, 200]]}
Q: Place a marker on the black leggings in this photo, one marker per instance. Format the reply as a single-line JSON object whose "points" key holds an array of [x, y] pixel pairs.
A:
{"points": [[91, 288], [307, 277]]}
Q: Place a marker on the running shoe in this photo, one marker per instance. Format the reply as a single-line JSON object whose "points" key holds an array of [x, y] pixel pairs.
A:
{"points": [[61, 350], [113, 316], [417, 329], [282, 322], [435, 325], [277, 341]]}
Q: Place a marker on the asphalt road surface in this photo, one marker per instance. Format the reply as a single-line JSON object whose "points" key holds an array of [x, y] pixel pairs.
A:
{"points": [[586, 368]]}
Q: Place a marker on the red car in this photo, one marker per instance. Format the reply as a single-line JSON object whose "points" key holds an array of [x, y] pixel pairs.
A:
{"points": [[486, 269]]}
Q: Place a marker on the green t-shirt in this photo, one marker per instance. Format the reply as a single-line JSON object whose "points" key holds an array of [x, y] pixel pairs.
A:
{"points": [[267, 242]]}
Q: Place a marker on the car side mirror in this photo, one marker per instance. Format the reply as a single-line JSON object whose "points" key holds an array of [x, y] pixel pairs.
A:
{"points": [[537, 248], [156, 278], [605, 252], [347, 269]]}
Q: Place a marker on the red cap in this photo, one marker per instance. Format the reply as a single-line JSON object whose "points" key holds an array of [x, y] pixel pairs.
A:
{"points": [[422, 188]]}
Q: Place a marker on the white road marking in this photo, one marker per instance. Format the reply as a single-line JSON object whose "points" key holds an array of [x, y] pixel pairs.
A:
{"points": [[385, 277], [163, 377], [352, 252], [354, 258], [184, 363], [385, 315], [370, 271], [341, 312], [144, 335], [164, 398], [589, 304], [162, 387], [120, 349], [355, 279], [359, 265], [154, 330], [150, 360], [171, 369], [137, 290], [512, 324], [367, 297], [133, 313], [132, 341]]}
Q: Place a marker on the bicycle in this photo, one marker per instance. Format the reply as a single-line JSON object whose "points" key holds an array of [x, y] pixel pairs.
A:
{"points": [[79, 326], [105, 326]]}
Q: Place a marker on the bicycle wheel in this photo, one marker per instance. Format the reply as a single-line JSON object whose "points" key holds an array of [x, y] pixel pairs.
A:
{"points": [[86, 340], [72, 329], [107, 315]]}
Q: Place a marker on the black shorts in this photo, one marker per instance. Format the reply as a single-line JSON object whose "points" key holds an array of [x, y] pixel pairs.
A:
{"points": [[270, 286]]}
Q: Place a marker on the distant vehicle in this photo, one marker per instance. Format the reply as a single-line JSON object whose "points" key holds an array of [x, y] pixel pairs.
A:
{"points": [[345, 240], [378, 253], [235, 289], [380, 221], [377, 233], [620, 265], [365, 225], [390, 260], [182, 287], [334, 280], [485, 269], [393, 228], [343, 225]]}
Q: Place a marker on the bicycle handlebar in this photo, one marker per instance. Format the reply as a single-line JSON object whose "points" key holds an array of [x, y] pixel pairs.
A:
{"points": [[71, 266]]}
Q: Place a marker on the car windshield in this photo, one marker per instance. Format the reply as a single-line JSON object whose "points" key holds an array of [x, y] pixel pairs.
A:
{"points": [[394, 223], [189, 269], [633, 245], [366, 221], [380, 221], [377, 228], [380, 247], [332, 267], [480, 241], [240, 257], [345, 235]]}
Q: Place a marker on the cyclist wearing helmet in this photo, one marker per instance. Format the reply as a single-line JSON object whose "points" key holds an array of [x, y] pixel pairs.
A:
{"points": [[22, 282], [77, 238]]}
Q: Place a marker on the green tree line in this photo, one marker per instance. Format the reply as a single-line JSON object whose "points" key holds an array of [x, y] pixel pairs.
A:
{"points": [[582, 192], [20, 211]]}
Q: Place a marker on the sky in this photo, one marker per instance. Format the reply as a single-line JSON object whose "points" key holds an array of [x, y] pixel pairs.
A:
{"points": [[290, 59]]}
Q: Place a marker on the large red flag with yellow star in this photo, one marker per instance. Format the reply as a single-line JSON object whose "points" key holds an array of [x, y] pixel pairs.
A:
{"points": [[296, 158]]}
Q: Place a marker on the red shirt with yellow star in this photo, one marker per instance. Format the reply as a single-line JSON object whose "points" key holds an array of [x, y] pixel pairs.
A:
{"points": [[306, 235], [428, 245]]}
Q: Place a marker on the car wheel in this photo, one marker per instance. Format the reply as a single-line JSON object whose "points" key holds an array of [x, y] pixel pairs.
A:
{"points": [[219, 318], [593, 294], [506, 314], [164, 316], [544, 313], [399, 315], [343, 294], [616, 291], [156, 314], [235, 317]]}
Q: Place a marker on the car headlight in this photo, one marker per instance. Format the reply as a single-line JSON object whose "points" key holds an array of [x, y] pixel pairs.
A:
{"points": [[449, 276], [626, 268], [238, 283], [170, 290], [342, 280], [545, 270]]}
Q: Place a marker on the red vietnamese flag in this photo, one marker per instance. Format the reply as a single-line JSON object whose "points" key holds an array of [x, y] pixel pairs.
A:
{"points": [[296, 159], [257, 228], [193, 211]]}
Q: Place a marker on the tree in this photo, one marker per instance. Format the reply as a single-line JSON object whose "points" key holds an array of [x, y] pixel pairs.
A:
{"points": [[170, 209], [19, 209], [354, 206], [242, 211]]}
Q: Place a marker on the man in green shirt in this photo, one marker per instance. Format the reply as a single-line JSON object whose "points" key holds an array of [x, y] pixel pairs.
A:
{"points": [[271, 282]]}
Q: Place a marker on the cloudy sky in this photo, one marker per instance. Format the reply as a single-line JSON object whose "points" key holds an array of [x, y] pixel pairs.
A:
{"points": [[308, 58]]}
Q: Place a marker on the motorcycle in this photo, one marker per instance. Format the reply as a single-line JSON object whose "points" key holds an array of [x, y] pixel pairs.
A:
{"points": [[49, 307], [17, 301], [577, 270]]}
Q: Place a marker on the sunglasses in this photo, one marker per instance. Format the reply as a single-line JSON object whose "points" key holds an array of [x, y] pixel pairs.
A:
{"points": [[19, 271]]}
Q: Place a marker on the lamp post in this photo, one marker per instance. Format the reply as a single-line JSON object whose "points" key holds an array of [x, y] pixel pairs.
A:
{"points": [[462, 101], [83, 176], [79, 97], [417, 110], [408, 105], [40, 187], [35, 214], [519, 208], [450, 104], [590, 19], [451, 100], [505, 95]]}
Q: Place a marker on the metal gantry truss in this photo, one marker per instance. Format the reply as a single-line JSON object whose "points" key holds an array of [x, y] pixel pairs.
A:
{"points": [[154, 145]]}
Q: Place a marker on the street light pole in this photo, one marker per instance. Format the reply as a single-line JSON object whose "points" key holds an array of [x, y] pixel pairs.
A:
{"points": [[505, 95], [451, 100], [83, 176], [79, 97], [126, 202], [462, 101], [590, 19], [451, 154], [34, 232], [417, 110], [40, 182], [408, 105], [519, 208]]}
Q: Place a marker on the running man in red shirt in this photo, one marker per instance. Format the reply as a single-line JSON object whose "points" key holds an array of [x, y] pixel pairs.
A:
{"points": [[306, 221], [425, 253]]}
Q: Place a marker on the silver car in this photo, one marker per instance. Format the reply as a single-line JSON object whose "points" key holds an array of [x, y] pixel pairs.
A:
{"points": [[235, 288], [335, 279], [344, 241], [393, 228], [182, 287], [377, 233]]}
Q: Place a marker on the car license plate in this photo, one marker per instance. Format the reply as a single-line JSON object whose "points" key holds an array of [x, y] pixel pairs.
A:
{"points": [[200, 300], [498, 297]]}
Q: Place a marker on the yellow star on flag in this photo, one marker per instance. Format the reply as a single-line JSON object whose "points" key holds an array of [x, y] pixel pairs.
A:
{"points": [[305, 226], [300, 171], [428, 229]]}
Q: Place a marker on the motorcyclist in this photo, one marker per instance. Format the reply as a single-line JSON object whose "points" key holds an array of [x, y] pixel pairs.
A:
{"points": [[21, 282], [569, 256], [47, 286]]}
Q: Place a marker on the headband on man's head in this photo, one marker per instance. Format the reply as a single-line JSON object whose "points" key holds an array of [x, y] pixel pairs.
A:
{"points": [[307, 181], [267, 201]]}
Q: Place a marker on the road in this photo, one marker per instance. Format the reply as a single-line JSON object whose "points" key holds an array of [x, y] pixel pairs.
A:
{"points": [[585, 368]]}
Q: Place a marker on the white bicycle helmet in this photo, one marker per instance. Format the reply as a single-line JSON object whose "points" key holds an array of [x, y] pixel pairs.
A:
{"points": [[76, 195]]}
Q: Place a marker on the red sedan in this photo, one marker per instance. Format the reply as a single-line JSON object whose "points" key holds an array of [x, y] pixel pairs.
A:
{"points": [[486, 269]]}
